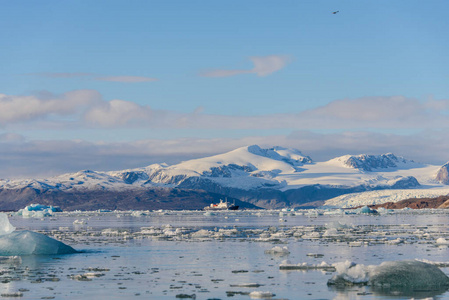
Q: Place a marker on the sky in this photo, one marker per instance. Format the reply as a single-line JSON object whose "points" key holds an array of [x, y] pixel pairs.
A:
{"points": [[109, 85]]}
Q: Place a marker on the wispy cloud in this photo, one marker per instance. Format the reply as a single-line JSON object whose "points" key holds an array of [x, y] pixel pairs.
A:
{"points": [[92, 76], [88, 109], [126, 79], [16, 109], [39, 158], [61, 75], [263, 66], [118, 113]]}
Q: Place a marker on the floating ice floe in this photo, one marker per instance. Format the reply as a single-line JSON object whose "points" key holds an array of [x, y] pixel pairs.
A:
{"points": [[287, 265], [442, 242], [366, 210], [38, 211], [276, 250], [261, 295], [403, 274], [16, 243]]}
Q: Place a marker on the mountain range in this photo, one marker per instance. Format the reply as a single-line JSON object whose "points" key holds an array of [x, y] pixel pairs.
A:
{"points": [[252, 176]]}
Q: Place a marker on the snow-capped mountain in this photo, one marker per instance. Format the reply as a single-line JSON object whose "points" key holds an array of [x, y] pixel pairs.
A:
{"points": [[370, 163], [268, 177]]}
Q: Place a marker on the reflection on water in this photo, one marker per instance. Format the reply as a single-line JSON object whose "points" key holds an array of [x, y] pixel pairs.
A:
{"points": [[167, 254]]}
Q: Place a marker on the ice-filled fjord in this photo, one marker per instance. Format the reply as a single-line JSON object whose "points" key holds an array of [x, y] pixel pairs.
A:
{"points": [[24, 242], [253, 254]]}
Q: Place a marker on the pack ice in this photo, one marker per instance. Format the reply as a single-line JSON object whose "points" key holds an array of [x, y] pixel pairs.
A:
{"points": [[399, 274], [25, 242]]}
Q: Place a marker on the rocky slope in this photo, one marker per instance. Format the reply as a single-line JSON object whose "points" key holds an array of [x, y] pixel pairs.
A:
{"points": [[443, 174], [438, 202]]}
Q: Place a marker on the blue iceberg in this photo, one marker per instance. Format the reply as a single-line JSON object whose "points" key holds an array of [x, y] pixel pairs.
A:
{"points": [[25, 242], [38, 211]]}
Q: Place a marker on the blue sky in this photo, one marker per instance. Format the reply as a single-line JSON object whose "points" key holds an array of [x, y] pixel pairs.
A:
{"points": [[121, 84]]}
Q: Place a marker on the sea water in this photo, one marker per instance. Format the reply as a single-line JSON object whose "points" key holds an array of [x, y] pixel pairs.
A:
{"points": [[221, 255]]}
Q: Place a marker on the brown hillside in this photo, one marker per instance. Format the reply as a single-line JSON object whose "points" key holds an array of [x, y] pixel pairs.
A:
{"points": [[416, 203]]}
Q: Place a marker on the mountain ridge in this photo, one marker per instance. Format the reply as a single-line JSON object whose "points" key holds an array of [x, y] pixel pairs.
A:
{"points": [[271, 177]]}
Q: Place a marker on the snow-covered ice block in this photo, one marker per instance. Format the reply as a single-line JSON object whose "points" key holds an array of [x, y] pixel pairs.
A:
{"points": [[261, 295], [442, 241], [404, 274], [286, 265], [276, 250]]}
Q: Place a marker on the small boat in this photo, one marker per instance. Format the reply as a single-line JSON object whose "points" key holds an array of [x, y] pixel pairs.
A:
{"points": [[223, 205]]}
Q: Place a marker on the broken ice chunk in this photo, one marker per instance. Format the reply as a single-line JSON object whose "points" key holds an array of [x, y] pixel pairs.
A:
{"points": [[408, 273], [261, 295], [278, 250]]}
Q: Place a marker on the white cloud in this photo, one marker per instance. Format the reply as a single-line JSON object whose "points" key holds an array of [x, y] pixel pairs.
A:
{"points": [[379, 112], [118, 113], [14, 109], [87, 109], [263, 66]]}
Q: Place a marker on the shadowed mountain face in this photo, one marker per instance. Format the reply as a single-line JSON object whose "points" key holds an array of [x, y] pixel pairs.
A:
{"points": [[443, 174], [274, 177], [143, 199], [372, 162]]}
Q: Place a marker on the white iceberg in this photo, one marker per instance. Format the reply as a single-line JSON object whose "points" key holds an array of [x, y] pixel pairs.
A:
{"points": [[5, 226], [25, 242]]}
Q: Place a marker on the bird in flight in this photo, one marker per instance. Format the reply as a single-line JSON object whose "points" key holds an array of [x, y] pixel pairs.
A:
{"points": [[335, 12]]}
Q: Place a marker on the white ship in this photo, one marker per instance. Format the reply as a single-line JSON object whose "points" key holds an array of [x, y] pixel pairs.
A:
{"points": [[223, 205]]}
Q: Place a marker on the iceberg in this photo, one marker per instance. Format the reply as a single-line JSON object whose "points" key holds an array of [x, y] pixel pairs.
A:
{"points": [[25, 242], [407, 274], [38, 211], [5, 226]]}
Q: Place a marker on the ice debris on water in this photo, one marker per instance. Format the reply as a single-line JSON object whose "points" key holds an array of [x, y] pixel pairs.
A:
{"points": [[407, 273], [287, 265], [26, 242]]}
